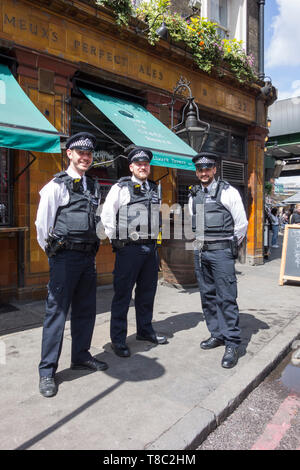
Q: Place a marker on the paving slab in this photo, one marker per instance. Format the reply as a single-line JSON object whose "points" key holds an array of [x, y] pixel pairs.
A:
{"points": [[164, 397]]}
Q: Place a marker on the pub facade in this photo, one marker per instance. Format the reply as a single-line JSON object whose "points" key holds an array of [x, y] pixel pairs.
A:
{"points": [[81, 72]]}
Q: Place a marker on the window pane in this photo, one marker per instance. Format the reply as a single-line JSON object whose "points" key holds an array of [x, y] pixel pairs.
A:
{"points": [[222, 33], [218, 12], [183, 194], [4, 187], [217, 141], [237, 147]]}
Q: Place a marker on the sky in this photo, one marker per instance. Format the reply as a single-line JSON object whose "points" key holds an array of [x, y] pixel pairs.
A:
{"points": [[282, 46], [282, 52]]}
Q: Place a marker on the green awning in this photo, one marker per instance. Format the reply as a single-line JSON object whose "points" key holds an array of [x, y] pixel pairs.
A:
{"points": [[143, 129], [22, 125], [172, 161]]}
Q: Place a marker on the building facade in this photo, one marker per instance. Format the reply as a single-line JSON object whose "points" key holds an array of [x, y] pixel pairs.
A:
{"points": [[62, 54]]}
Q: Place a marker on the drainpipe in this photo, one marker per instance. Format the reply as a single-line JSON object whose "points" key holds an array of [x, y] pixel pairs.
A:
{"points": [[261, 44]]}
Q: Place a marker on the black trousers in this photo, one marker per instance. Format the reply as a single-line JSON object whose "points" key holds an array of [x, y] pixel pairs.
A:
{"points": [[215, 273], [72, 284], [134, 265]]}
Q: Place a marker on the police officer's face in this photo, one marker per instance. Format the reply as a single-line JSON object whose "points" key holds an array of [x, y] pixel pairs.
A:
{"points": [[206, 175], [140, 170], [80, 160]]}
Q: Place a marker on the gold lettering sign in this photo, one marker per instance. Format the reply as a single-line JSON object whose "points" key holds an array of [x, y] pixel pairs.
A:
{"points": [[47, 32], [29, 27]]}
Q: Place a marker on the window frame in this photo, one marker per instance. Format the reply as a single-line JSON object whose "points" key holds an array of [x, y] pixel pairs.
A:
{"points": [[10, 207], [224, 28]]}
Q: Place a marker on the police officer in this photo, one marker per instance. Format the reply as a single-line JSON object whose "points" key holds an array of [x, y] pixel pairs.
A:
{"points": [[66, 230], [217, 207], [128, 222]]}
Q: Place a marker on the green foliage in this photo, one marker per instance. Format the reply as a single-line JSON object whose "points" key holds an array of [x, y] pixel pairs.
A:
{"points": [[198, 34], [240, 63], [122, 8], [268, 187], [200, 37]]}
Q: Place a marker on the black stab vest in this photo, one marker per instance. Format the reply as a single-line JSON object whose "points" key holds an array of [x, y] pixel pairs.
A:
{"points": [[141, 214], [77, 220], [218, 221]]}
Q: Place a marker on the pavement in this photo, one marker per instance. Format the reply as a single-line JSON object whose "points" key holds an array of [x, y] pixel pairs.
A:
{"points": [[164, 397]]}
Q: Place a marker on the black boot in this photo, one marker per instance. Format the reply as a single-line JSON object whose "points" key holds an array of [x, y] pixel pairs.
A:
{"points": [[211, 343], [48, 387], [230, 357]]}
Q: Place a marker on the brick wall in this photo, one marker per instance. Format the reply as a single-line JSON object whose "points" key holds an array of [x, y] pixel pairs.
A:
{"points": [[252, 37]]}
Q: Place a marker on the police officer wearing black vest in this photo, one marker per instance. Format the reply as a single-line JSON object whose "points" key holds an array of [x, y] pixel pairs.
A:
{"points": [[220, 224], [66, 231], [130, 220]]}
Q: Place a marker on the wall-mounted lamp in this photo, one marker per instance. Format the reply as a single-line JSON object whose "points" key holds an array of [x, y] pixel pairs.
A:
{"points": [[162, 30], [269, 122], [190, 129]]}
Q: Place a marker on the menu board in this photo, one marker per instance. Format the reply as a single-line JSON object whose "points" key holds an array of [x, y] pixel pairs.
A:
{"points": [[290, 259]]}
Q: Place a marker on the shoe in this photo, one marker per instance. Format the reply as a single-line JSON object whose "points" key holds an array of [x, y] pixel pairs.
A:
{"points": [[91, 364], [230, 357], [121, 349], [275, 246], [211, 343], [48, 387], [155, 338]]}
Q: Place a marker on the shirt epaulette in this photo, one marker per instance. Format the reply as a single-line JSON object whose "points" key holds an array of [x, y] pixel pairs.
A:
{"points": [[123, 181], [58, 177], [225, 184], [60, 174]]}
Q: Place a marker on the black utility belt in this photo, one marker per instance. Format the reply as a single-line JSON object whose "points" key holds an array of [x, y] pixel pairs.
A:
{"points": [[140, 241], [215, 245], [86, 247]]}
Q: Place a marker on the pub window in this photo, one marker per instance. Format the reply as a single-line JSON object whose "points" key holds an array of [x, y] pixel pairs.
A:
{"points": [[237, 146], [5, 187], [183, 194], [217, 141], [230, 146], [219, 14]]}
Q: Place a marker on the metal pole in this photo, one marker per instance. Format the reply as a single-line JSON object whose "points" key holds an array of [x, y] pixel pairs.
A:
{"points": [[261, 44]]}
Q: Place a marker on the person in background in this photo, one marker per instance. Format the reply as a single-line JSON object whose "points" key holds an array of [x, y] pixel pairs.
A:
{"points": [[295, 217], [284, 219], [275, 227]]}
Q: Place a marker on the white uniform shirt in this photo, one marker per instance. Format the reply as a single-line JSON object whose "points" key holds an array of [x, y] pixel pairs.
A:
{"points": [[116, 198], [53, 196], [231, 199]]}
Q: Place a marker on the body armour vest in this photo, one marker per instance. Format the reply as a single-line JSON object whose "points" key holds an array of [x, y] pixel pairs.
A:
{"points": [[77, 220], [140, 217], [218, 221]]}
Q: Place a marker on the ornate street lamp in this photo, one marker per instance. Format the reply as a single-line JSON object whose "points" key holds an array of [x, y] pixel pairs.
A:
{"points": [[190, 129]]}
